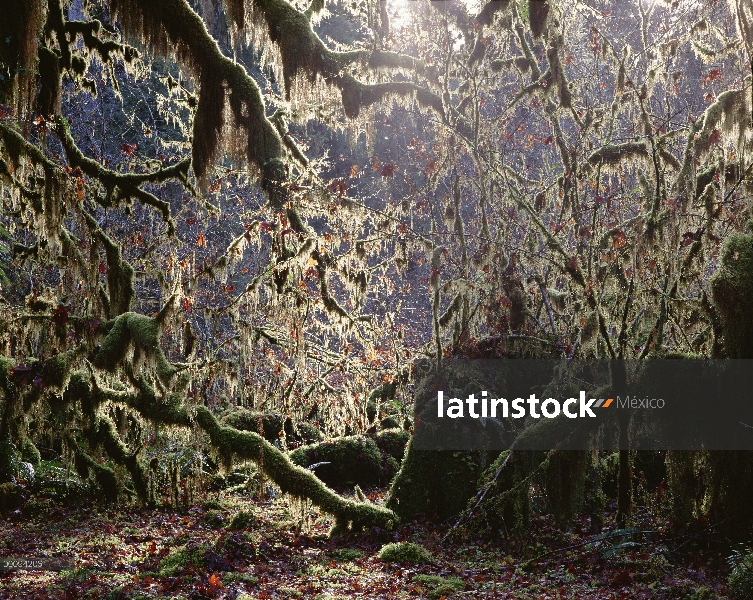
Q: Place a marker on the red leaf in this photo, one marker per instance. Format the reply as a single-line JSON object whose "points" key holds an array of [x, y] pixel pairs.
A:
{"points": [[338, 186], [619, 240], [388, 170], [60, 315]]}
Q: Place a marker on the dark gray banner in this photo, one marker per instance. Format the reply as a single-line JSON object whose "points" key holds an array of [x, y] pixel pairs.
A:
{"points": [[659, 404]]}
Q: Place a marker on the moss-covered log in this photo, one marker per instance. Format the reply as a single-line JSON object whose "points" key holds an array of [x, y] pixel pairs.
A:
{"points": [[352, 460], [292, 479]]}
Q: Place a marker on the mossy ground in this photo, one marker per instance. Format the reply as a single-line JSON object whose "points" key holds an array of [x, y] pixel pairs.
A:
{"points": [[122, 552]]}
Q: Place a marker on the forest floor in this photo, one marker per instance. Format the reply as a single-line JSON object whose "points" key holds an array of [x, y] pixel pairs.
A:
{"points": [[233, 544]]}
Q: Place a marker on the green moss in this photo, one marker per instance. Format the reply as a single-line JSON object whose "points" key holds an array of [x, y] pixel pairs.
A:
{"points": [[56, 370], [242, 520], [107, 436], [345, 554], [384, 392], [309, 433], [182, 557], [104, 476], [439, 587], [351, 460], [243, 419], [732, 288], [390, 422], [393, 442], [29, 453], [119, 278], [434, 483], [405, 552], [143, 334]]}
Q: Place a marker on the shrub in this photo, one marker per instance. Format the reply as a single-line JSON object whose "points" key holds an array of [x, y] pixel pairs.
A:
{"points": [[740, 581], [242, 520], [180, 558], [405, 552], [439, 587]]}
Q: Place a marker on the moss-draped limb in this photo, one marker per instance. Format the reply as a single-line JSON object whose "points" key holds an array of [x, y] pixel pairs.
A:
{"points": [[140, 332], [104, 476], [172, 25], [731, 287], [122, 186], [292, 479], [119, 273], [118, 452]]}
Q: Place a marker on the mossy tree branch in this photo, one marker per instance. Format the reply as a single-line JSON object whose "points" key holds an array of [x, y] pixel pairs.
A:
{"points": [[292, 479]]}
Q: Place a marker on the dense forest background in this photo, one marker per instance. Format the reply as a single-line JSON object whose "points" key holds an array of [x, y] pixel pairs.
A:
{"points": [[229, 230]]}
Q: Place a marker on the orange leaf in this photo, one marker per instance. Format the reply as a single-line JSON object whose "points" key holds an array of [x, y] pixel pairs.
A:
{"points": [[214, 582], [200, 241]]}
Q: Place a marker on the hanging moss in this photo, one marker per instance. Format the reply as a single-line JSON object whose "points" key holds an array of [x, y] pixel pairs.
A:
{"points": [[19, 30], [48, 100], [168, 410], [29, 453], [139, 331], [104, 476], [382, 393], [119, 278], [538, 16], [171, 26], [56, 370], [292, 479], [106, 435]]}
